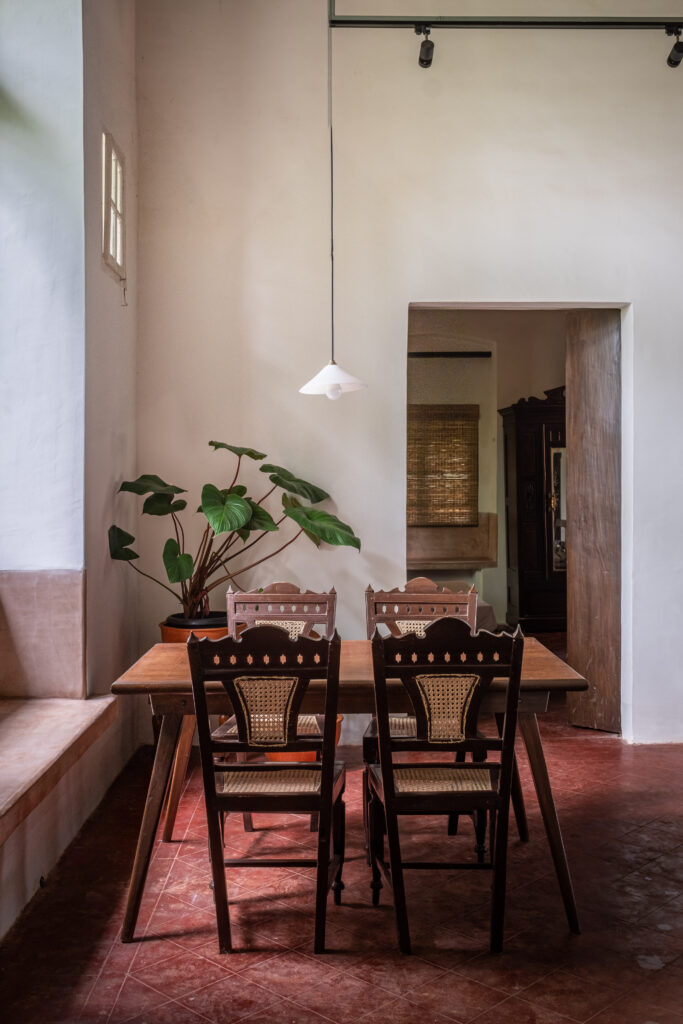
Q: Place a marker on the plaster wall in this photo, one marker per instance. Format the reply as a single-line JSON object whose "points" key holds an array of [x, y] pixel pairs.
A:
{"points": [[41, 285], [547, 171], [111, 335]]}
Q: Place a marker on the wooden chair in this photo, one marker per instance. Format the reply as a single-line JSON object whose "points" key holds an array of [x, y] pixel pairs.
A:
{"points": [[297, 611], [265, 674], [446, 673], [411, 609]]}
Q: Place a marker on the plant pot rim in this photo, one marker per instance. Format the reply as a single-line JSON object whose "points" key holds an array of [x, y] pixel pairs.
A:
{"points": [[214, 619]]}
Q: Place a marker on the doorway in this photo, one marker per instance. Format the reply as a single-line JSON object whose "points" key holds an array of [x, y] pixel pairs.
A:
{"points": [[529, 351]]}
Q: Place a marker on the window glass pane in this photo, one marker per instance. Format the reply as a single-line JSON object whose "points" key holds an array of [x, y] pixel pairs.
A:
{"points": [[119, 241], [113, 176], [119, 187], [112, 234]]}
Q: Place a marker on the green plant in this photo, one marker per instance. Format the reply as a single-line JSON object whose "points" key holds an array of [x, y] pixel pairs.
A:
{"points": [[231, 516]]}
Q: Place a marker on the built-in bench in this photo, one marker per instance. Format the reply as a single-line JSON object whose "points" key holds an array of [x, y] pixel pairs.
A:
{"points": [[59, 750], [39, 741]]}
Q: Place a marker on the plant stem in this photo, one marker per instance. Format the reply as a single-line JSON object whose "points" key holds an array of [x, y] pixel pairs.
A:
{"points": [[155, 580], [238, 572], [237, 473]]}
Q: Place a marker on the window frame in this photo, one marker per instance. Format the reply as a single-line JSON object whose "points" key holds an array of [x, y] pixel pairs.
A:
{"points": [[113, 206]]}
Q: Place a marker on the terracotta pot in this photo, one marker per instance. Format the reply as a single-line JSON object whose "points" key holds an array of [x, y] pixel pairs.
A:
{"points": [[306, 755], [176, 629]]}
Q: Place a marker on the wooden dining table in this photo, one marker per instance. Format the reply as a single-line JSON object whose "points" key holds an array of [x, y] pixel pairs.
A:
{"points": [[163, 674]]}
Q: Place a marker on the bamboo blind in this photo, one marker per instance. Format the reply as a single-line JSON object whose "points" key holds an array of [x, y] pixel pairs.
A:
{"points": [[443, 465]]}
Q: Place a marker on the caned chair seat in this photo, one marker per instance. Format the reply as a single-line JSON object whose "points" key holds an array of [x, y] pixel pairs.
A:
{"points": [[271, 783], [294, 627], [307, 725], [402, 725], [426, 778]]}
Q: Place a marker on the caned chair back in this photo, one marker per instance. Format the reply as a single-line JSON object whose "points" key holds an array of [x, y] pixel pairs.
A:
{"points": [[300, 612], [446, 674], [265, 674], [411, 608]]}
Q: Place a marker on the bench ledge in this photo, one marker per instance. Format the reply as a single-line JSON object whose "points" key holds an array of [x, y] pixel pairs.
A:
{"points": [[40, 740]]}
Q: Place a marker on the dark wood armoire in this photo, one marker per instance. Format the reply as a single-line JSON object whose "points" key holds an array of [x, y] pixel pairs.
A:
{"points": [[535, 512]]}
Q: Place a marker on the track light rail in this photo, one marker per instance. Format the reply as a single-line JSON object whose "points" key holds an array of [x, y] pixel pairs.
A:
{"points": [[669, 25]]}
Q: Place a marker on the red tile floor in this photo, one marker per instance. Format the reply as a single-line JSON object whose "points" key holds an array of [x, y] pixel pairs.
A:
{"points": [[622, 815]]}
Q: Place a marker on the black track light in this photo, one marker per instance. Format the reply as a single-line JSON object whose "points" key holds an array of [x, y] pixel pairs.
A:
{"points": [[676, 55], [426, 48]]}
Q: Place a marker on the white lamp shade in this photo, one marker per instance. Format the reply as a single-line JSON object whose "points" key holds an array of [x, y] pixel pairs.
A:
{"points": [[332, 381]]}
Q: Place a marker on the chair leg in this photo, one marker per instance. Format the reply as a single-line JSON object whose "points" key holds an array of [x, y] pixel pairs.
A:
{"points": [[322, 879], [517, 794], [397, 881], [314, 822], [220, 893], [180, 763], [375, 844], [453, 818], [480, 826], [338, 846], [365, 790], [500, 846], [247, 819]]}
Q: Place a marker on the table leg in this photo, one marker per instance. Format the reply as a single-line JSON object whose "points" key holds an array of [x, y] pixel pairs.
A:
{"points": [[180, 763], [528, 726], [168, 737]]}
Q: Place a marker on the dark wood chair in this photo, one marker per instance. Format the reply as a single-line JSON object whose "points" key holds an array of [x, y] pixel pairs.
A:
{"points": [[265, 674], [300, 612], [446, 674], [411, 609]]}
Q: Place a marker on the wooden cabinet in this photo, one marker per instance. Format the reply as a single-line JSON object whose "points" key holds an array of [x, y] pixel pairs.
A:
{"points": [[534, 440]]}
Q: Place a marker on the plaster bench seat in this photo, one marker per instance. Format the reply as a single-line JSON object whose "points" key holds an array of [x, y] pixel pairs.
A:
{"points": [[40, 740]]}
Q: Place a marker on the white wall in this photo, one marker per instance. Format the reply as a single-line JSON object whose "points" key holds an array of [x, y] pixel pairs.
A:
{"points": [[522, 168], [41, 285], [111, 335]]}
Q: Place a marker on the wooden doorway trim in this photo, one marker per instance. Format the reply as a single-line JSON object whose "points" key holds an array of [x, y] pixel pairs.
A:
{"points": [[593, 389]]}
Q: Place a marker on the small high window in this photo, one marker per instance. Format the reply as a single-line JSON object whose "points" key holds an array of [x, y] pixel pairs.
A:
{"points": [[113, 207]]}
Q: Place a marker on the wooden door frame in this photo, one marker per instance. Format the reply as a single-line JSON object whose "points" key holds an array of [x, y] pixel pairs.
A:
{"points": [[626, 461]]}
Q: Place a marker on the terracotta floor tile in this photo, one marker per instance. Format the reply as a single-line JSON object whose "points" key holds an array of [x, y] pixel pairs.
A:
{"points": [[456, 997], [517, 1010], [229, 1000], [183, 973], [564, 993], [343, 999]]}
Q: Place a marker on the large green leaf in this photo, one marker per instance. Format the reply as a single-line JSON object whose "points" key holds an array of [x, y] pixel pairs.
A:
{"points": [[324, 525], [178, 567], [162, 505], [260, 519], [150, 484], [225, 510], [288, 482], [249, 452], [119, 542], [290, 501]]}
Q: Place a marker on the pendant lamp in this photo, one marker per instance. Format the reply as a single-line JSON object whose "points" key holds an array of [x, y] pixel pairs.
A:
{"points": [[331, 380]]}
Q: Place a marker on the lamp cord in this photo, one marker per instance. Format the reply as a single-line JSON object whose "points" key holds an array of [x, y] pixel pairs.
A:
{"points": [[329, 118]]}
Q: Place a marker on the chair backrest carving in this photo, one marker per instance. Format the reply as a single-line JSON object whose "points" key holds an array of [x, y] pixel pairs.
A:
{"points": [[411, 608], [446, 674], [300, 612], [265, 675]]}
